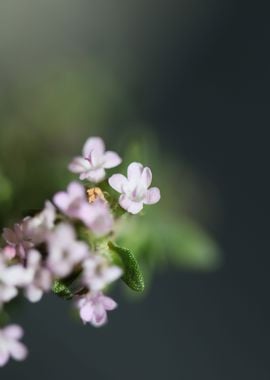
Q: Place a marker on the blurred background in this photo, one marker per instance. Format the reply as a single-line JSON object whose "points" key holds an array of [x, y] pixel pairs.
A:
{"points": [[182, 86]]}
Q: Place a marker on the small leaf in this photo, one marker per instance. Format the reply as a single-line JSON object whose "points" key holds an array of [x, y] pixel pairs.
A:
{"points": [[132, 274], [62, 290]]}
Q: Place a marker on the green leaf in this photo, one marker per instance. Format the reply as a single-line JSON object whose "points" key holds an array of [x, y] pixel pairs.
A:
{"points": [[132, 274], [61, 289]]}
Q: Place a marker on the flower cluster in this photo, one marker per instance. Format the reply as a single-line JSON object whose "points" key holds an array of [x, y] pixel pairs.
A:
{"points": [[66, 246]]}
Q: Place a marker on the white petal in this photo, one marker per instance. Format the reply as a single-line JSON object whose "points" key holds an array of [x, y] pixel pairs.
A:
{"points": [[152, 196], [117, 181], [112, 160], [93, 143], [146, 177], [134, 171], [130, 206]]}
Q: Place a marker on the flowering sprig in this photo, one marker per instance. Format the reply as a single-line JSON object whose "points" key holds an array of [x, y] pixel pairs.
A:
{"points": [[69, 247]]}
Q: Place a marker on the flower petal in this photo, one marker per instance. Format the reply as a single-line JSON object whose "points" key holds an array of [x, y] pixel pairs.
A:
{"points": [[108, 303], [112, 159], [86, 312], [76, 190], [18, 350], [117, 181], [4, 356], [134, 171], [61, 200], [10, 236], [13, 332], [93, 143], [79, 165], [152, 196], [130, 206], [146, 177], [99, 316], [96, 175]]}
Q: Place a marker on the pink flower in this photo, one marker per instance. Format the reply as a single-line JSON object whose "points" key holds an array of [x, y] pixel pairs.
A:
{"points": [[93, 308], [94, 160], [97, 217], [38, 227], [42, 277], [64, 250], [71, 201], [98, 273], [18, 238], [10, 345], [134, 189]]}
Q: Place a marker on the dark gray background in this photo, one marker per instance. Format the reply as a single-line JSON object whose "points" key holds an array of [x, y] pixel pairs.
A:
{"points": [[209, 100]]}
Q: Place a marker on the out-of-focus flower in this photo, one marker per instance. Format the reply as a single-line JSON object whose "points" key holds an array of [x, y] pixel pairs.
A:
{"points": [[134, 189], [11, 278], [94, 160], [38, 227], [64, 251], [42, 277], [98, 273], [93, 308], [10, 346], [18, 238], [71, 201], [97, 217]]}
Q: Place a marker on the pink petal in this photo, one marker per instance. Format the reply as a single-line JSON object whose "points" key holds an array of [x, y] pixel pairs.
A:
{"points": [[86, 312], [93, 143], [112, 159], [152, 196], [79, 165], [13, 332], [76, 190], [130, 206], [117, 181], [10, 236], [4, 356], [61, 200], [99, 316], [18, 351], [108, 303], [146, 177], [134, 171]]}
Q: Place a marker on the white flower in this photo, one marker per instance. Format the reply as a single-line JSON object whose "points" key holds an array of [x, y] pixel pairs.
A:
{"points": [[42, 277], [134, 189], [10, 345], [98, 273], [94, 160], [93, 308], [64, 250]]}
